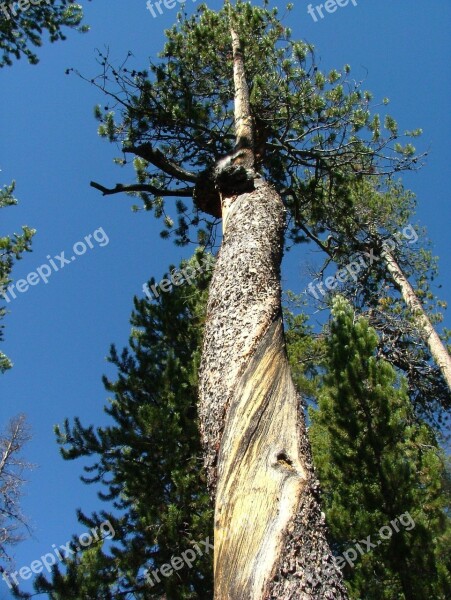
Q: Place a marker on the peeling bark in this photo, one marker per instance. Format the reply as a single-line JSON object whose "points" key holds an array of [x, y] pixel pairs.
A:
{"points": [[270, 540], [269, 531], [422, 321]]}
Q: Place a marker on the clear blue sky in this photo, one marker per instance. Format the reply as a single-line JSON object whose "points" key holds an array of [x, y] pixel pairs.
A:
{"points": [[58, 334]]}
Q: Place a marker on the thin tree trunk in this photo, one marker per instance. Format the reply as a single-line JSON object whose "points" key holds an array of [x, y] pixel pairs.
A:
{"points": [[269, 530], [422, 321], [244, 130]]}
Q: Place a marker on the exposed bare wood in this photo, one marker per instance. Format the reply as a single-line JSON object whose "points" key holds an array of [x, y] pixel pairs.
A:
{"points": [[422, 321], [243, 121], [269, 531]]}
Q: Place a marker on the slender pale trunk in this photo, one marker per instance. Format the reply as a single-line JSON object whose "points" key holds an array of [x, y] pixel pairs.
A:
{"points": [[269, 530], [244, 129], [422, 321]]}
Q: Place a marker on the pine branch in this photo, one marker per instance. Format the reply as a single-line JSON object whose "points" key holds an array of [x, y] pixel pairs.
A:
{"points": [[313, 237], [142, 187], [158, 159]]}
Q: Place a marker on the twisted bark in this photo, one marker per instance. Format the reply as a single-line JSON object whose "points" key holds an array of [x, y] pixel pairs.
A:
{"points": [[269, 531]]}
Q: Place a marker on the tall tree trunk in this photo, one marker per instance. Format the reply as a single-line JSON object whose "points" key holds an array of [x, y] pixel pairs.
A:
{"points": [[244, 129], [269, 530], [422, 321]]}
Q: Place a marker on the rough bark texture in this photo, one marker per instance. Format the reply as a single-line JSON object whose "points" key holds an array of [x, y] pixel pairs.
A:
{"points": [[269, 530], [425, 327], [244, 299]]}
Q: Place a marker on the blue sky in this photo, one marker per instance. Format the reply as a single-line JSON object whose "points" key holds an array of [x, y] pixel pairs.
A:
{"points": [[58, 334]]}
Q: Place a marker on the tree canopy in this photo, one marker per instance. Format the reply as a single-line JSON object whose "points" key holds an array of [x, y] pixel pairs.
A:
{"points": [[376, 462], [11, 248], [318, 140], [148, 462], [314, 131], [22, 29]]}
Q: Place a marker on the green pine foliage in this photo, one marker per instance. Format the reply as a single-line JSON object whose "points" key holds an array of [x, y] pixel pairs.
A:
{"points": [[318, 141], [314, 130], [11, 249], [148, 461], [376, 462], [382, 215], [306, 351], [22, 29], [374, 459]]}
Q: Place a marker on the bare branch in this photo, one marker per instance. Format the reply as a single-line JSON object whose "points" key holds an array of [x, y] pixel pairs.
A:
{"points": [[12, 466], [142, 187], [313, 237], [158, 159]]}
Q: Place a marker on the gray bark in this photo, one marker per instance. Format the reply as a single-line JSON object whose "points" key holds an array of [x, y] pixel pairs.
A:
{"points": [[269, 531], [270, 539]]}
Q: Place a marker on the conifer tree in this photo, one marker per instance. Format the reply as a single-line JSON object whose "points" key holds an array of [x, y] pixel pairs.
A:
{"points": [[148, 461], [21, 28], [11, 249], [376, 462], [16, 433], [233, 83], [389, 272]]}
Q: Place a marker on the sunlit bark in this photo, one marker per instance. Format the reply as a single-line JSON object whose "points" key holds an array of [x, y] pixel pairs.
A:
{"points": [[269, 530]]}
